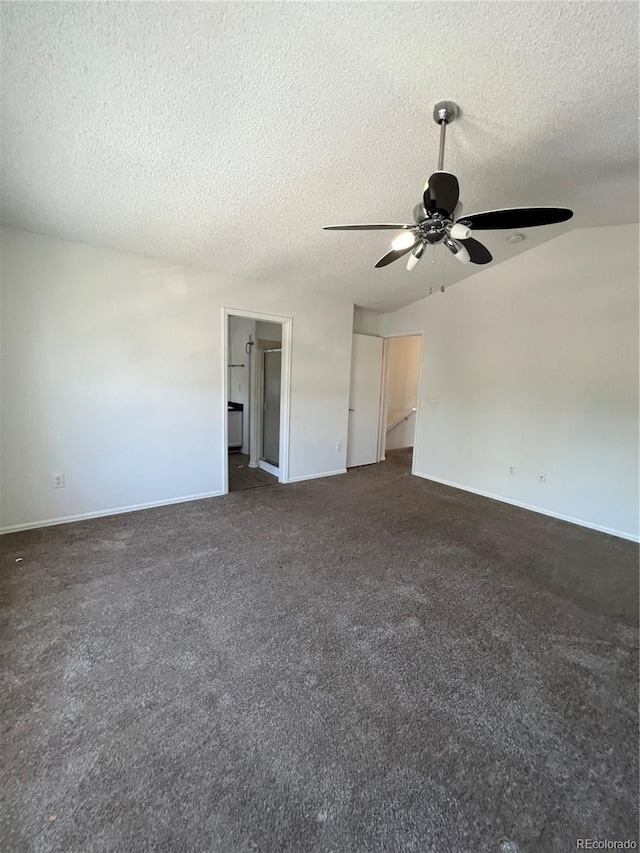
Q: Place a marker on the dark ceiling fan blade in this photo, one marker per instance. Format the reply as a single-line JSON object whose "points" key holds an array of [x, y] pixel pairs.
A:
{"points": [[478, 254], [366, 227], [419, 213], [516, 217], [392, 256], [441, 193]]}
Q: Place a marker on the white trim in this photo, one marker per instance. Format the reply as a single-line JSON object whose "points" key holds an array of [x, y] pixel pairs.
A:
{"points": [[285, 398], [403, 334], [267, 466], [285, 395], [255, 408], [416, 431], [317, 476], [633, 537], [84, 516], [382, 414]]}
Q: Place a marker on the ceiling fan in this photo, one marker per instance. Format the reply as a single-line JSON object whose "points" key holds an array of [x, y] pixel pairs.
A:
{"points": [[438, 218]]}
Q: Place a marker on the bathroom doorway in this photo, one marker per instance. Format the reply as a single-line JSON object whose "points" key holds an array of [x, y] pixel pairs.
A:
{"points": [[257, 371]]}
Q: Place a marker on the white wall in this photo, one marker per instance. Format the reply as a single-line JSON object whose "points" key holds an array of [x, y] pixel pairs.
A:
{"points": [[535, 364], [402, 434], [366, 322], [269, 331], [112, 371], [401, 388]]}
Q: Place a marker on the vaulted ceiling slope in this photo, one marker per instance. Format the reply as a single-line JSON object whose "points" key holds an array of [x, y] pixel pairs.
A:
{"points": [[224, 135]]}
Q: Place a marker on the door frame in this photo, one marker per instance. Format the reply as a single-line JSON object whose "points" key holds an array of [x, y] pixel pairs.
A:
{"points": [[285, 394], [382, 423]]}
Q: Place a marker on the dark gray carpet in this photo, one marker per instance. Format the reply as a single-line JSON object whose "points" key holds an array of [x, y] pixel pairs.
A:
{"points": [[369, 662]]}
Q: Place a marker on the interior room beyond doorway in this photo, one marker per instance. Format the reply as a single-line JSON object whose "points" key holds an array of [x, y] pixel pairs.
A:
{"points": [[254, 382], [401, 381]]}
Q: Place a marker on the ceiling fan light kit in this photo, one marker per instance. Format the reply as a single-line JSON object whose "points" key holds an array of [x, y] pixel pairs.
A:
{"points": [[438, 218]]}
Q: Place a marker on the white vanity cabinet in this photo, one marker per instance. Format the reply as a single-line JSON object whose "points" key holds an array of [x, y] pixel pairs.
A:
{"points": [[234, 428]]}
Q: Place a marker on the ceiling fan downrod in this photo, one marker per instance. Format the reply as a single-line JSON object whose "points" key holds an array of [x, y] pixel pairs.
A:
{"points": [[443, 113]]}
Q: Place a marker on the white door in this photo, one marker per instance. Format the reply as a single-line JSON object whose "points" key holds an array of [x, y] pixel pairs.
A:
{"points": [[364, 400], [272, 373]]}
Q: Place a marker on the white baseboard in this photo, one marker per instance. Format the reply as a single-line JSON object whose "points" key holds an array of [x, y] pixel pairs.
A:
{"points": [[84, 516], [317, 476], [269, 468], [579, 521]]}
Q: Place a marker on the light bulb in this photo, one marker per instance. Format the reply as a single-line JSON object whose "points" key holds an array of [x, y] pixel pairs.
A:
{"points": [[460, 231], [462, 255], [415, 256], [403, 240]]}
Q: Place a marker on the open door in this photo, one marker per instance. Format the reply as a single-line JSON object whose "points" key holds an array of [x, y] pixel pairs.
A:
{"points": [[364, 400], [271, 406]]}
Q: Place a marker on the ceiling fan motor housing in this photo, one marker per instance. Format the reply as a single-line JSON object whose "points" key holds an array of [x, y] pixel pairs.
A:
{"points": [[433, 229]]}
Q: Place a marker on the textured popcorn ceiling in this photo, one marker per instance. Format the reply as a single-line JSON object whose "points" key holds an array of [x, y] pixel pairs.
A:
{"points": [[224, 135]]}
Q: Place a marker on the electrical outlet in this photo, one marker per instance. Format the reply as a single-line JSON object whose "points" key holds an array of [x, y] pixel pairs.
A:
{"points": [[512, 470], [542, 478], [338, 446], [58, 481]]}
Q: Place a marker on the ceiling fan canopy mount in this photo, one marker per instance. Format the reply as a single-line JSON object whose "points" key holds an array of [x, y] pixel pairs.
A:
{"points": [[445, 111], [438, 217]]}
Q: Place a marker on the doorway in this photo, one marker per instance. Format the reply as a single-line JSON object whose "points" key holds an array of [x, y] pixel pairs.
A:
{"points": [[256, 381], [383, 399], [399, 401]]}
